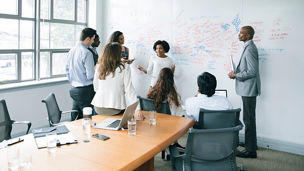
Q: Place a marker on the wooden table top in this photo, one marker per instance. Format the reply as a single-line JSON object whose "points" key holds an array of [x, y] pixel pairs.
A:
{"points": [[120, 152]]}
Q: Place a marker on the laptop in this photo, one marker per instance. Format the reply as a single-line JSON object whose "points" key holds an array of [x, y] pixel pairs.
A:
{"points": [[221, 92], [116, 124]]}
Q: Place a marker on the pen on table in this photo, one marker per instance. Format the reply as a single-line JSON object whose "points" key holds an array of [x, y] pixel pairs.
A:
{"points": [[19, 140]]}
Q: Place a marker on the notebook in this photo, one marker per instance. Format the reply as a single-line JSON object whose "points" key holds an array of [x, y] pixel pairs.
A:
{"points": [[116, 124], [64, 136]]}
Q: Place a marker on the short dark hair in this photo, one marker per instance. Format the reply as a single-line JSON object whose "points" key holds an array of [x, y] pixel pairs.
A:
{"points": [[87, 32], [114, 36], [249, 30], [163, 43], [206, 83]]}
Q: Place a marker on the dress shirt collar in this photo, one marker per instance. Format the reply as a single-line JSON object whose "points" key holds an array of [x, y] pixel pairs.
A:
{"points": [[201, 95], [247, 43], [82, 44]]}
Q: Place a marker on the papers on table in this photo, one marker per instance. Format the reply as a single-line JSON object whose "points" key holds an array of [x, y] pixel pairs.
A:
{"points": [[62, 139]]}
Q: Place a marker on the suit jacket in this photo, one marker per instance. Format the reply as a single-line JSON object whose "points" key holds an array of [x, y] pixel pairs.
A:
{"points": [[247, 72]]}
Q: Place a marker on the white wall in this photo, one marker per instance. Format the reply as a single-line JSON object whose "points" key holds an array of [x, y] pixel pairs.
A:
{"points": [[203, 34], [25, 103]]}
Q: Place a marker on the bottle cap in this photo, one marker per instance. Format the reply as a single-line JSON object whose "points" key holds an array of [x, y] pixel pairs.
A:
{"points": [[87, 111]]}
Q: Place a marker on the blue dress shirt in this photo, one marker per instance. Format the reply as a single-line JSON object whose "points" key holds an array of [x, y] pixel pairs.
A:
{"points": [[80, 66]]}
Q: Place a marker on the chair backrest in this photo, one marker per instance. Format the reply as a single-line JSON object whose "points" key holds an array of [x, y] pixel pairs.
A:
{"points": [[147, 104], [211, 149], [210, 119], [5, 122], [54, 113]]}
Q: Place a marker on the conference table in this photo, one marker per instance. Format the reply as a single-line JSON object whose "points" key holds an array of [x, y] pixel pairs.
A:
{"points": [[120, 152]]}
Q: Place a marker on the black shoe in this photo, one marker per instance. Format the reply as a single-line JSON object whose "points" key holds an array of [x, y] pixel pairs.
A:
{"points": [[246, 154], [179, 146], [242, 144]]}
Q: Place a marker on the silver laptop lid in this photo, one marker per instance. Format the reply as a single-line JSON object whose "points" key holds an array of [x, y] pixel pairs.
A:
{"points": [[128, 114]]}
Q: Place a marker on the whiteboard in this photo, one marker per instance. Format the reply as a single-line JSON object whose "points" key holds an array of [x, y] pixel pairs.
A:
{"points": [[203, 35]]}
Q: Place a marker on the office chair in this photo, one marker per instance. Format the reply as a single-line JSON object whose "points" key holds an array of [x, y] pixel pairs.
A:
{"points": [[54, 113], [6, 122], [213, 119], [147, 104], [209, 119], [207, 149]]}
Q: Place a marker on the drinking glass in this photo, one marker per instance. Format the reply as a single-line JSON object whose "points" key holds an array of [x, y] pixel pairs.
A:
{"points": [[51, 142], [86, 126], [132, 127], [152, 118], [26, 162], [13, 158]]}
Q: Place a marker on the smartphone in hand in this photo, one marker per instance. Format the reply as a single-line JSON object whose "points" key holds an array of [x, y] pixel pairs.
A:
{"points": [[101, 137], [130, 61]]}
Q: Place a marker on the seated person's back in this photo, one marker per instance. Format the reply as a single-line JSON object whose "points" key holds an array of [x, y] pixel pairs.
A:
{"points": [[164, 89], [205, 97]]}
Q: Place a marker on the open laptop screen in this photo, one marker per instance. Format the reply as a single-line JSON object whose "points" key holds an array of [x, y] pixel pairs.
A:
{"points": [[221, 92]]}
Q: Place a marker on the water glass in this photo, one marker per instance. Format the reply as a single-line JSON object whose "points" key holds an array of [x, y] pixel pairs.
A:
{"points": [[51, 142], [152, 118], [132, 127], [86, 126], [26, 162], [13, 158]]}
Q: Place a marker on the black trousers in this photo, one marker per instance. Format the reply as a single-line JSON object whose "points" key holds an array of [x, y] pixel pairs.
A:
{"points": [[249, 105], [82, 97]]}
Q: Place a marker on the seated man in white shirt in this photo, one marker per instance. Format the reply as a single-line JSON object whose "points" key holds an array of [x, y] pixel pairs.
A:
{"points": [[205, 97]]}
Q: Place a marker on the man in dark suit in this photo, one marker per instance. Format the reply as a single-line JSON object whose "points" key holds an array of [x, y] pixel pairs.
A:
{"points": [[93, 47], [248, 86]]}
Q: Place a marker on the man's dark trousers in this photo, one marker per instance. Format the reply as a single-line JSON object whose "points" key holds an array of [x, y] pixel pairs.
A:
{"points": [[249, 105], [82, 97]]}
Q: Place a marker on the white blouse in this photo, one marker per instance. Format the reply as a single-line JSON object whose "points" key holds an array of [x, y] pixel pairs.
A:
{"points": [[113, 91], [156, 64]]}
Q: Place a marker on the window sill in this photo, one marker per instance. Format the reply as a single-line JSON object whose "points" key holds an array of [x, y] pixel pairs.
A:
{"points": [[33, 83]]}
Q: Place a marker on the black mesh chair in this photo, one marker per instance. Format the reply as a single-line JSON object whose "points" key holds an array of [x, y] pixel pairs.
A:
{"points": [[210, 119], [207, 149], [147, 104], [6, 122], [214, 119], [54, 113]]}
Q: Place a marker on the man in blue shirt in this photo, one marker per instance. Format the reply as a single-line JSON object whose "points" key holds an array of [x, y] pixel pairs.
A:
{"points": [[80, 72]]}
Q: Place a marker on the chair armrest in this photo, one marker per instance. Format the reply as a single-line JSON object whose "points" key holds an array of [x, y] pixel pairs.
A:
{"points": [[29, 124], [70, 111], [175, 151]]}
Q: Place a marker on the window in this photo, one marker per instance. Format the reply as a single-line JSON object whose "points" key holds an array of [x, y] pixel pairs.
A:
{"points": [[36, 35]]}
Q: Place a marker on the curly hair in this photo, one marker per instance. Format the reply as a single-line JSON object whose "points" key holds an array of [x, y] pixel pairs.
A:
{"points": [[164, 89], [110, 60], [164, 43]]}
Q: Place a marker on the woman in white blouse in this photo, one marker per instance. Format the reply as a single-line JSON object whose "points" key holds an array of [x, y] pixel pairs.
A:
{"points": [[158, 62], [112, 82]]}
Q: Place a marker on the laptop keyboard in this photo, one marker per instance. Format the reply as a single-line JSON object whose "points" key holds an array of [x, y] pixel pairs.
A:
{"points": [[114, 124]]}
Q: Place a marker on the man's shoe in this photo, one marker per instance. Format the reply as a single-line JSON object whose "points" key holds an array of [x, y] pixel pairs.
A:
{"points": [[179, 146], [242, 144], [246, 154]]}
